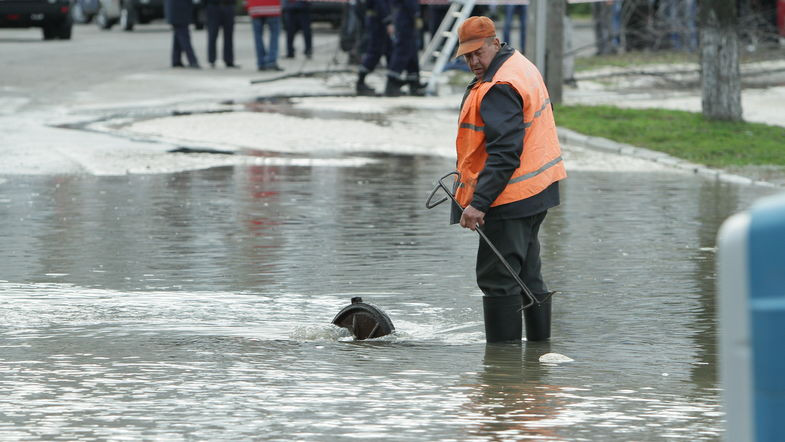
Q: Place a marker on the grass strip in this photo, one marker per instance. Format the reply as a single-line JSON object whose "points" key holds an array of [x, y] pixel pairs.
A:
{"points": [[685, 135]]}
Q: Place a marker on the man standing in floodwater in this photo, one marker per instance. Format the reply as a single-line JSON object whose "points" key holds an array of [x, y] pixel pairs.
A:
{"points": [[510, 164]]}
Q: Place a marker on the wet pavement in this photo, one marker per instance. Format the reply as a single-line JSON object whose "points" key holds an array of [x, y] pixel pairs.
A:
{"points": [[198, 305]]}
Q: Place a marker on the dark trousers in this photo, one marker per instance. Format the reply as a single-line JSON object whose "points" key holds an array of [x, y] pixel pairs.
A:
{"points": [[298, 19], [404, 52], [181, 42], [378, 44], [220, 17], [517, 240]]}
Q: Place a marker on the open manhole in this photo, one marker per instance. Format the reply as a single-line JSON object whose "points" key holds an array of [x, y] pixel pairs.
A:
{"points": [[364, 321]]}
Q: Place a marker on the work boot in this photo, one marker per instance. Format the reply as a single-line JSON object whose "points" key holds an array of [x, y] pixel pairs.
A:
{"points": [[502, 318], [362, 88], [393, 87], [416, 89], [538, 318]]}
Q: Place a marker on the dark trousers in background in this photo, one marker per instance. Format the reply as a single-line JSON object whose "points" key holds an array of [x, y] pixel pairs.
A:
{"points": [[404, 51], [378, 44], [510, 12], [517, 240], [296, 20], [220, 17], [181, 42]]}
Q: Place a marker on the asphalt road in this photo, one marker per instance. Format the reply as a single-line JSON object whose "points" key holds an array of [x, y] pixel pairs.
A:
{"points": [[57, 72], [54, 72]]}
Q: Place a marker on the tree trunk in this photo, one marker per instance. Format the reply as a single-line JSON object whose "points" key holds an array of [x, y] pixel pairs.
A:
{"points": [[720, 75]]}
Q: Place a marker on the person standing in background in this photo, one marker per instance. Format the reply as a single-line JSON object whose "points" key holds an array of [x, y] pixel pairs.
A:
{"points": [[404, 52], [297, 17], [266, 12], [220, 16], [510, 12], [607, 26], [379, 29], [178, 14]]}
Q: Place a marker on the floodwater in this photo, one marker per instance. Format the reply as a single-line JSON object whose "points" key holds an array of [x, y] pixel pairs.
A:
{"points": [[197, 305]]}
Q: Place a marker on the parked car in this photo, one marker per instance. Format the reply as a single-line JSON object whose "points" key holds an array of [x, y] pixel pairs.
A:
{"points": [[126, 13], [331, 12], [52, 16]]}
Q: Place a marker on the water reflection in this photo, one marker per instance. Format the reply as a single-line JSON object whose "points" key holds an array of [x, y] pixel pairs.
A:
{"points": [[513, 395]]}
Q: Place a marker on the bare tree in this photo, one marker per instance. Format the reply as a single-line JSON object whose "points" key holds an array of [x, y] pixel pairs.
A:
{"points": [[719, 58]]}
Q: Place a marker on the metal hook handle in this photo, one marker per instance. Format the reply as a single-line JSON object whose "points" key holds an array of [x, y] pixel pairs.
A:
{"points": [[429, 204], [441, 186]]}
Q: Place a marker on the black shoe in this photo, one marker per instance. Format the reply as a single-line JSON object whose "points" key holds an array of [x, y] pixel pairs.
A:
{"points": [[393, 87], [232, 66], [289, 55], [194, 66], [178, 65], [365, 90], [416, 89], [273, 67], [309, 55]]}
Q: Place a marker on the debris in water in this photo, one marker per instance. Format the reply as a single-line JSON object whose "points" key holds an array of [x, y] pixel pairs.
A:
{"points": [[201, 150], [554, 358]]}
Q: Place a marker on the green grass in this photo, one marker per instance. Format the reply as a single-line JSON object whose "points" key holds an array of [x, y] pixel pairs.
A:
{"points": [[684, 135]]}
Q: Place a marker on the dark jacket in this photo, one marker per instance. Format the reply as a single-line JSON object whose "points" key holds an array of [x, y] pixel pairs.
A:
{"points": [[178, 12], [502, 113]]}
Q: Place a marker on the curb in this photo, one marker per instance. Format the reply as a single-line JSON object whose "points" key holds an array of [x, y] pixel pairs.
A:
{"points": [[568, 136]]}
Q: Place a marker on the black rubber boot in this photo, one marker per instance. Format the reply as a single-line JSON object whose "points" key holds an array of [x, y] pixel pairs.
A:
{"points": [[393, 87], [538, 319], [362, 88], [502, 318], [416, 89]]}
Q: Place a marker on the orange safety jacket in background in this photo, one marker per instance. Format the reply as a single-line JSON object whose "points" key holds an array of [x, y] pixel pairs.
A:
{"points": [[541, 163], [263, 8]]}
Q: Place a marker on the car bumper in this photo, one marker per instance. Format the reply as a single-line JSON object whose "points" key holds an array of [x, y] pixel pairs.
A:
{"points": [[24, 14]]}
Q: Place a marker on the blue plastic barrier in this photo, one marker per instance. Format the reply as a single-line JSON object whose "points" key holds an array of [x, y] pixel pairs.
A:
{"points": [[751, 275]]}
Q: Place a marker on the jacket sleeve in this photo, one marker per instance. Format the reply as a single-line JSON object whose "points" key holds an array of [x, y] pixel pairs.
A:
{"points": [[502, 112]]}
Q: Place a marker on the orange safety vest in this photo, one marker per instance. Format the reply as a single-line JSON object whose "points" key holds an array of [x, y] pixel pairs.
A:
{"points": [[541, 163]]}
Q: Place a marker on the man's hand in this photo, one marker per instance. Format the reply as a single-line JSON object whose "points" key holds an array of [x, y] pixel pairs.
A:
{"points": [[472, 218]]}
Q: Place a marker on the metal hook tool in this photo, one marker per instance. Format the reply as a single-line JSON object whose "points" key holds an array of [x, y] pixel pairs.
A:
{"points": [[430, 205]]}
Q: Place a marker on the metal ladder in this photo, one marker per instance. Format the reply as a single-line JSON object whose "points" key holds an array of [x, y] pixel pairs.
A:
{"points": [[442, 44]]}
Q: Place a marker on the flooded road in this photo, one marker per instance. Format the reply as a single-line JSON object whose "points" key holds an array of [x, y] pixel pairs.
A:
{"points": [[197, 305]]}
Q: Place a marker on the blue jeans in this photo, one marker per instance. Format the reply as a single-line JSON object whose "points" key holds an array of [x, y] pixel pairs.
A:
{"points": [[264, 57], [509, 13]]}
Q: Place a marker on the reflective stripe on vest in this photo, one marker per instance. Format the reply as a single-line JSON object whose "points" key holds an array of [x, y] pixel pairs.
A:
{"points": [[541, 161], [526, 176]]}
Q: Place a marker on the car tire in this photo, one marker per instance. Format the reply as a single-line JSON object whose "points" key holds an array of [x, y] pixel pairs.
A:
{"points": [[102, 19], [63, 29], [127, 16], [49, 32]]}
